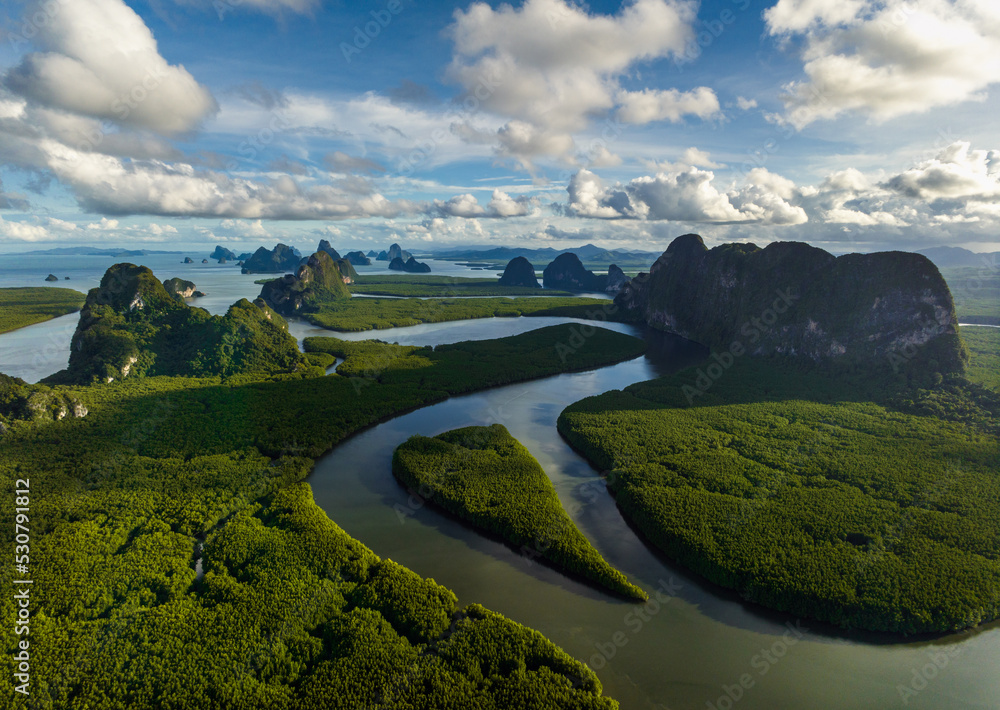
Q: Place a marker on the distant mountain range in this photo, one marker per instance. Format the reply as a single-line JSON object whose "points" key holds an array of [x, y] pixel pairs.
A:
{"points": [[587, 253], [944, 257], [92, 251]]}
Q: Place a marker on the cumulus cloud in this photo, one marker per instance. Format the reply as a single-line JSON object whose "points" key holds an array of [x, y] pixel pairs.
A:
{"points": [[691, 158], [645, 106], [549, 68], [254, 229], [689, 194], [500, 205], [958, 183], [98, 59], [23, 232], [887, 58], [113, 186], [524, 141]]}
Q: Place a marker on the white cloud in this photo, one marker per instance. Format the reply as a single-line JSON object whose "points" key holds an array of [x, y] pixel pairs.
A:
{"points": [[243, 228], [500, 205], [601, 157], [648, 105], [104, 225], [744, 104], [161, 229], [99, 59], [461, 206], [589, 198], [956, 173], [888, 58], [503, 205], [523, 141], [685, 196], [549, 68], [958, 186], [111, 185], [23, 232], [801, 15]]}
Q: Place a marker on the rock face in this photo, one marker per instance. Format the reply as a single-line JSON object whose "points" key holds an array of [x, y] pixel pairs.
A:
{"points": [[889, 308], [179, 288], [221, 253], [410, 266], [188, 260], [566, 272], [51, 277], [382, 256], [131, 326], [395, 252], [519, 272], [278, 260], [317, 281], [20, 401], [616, 279], [324, 245], [358, 258], [347, 270], [371, 254]]}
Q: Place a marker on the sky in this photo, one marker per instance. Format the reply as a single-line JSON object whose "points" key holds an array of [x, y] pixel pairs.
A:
{"points": [[854, 125]]}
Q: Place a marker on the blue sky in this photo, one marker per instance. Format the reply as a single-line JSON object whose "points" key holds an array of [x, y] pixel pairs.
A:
{"points": [[854, 125]]}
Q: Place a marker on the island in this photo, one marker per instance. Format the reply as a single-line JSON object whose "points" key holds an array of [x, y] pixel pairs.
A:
{"points": [[486, 477], [410, 266], [24, 306], [519, 272], [278, 260]]}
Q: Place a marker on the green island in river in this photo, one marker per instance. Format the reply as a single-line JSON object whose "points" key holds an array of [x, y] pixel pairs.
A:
{"points": [[24, 306], [148, 462], [487, 478]]}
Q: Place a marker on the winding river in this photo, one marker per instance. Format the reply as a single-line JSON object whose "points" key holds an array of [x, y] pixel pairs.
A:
{"points": [[702, 647]]}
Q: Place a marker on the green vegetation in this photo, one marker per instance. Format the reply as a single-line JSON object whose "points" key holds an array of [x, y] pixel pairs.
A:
{"points": [[359, 314], [20, 307], [851, 499], [317, 282], [445, 286], [131, 326], [976, 291], [164, 472], [470, 365], [984, 345], [486, 477]]}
